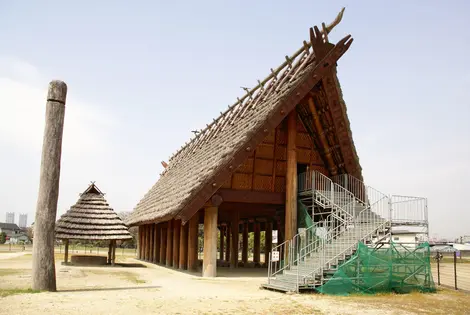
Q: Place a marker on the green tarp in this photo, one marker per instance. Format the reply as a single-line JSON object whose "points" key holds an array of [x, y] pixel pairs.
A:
{"points": [[394, 269]]}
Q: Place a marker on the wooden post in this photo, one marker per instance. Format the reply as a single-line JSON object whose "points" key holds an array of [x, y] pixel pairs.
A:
{"points": [[139, 244], [176, 243], [169, 244], [151, 244], [227, 248], [146, 243], [221, 245], [193, 242], [291, 177], [163, 242], [235, 229], [157, 236], [209, 268], [257, 244], [245, 244], [113, 259], [110, 251], [43, 276], [268, 238], [66, 255], [183, 264]]}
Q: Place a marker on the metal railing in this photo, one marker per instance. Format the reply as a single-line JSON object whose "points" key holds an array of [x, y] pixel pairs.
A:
{"points": [[409, 210]]}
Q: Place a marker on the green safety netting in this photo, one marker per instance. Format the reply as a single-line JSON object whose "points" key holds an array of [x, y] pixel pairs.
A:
{"points": [[394, 269], [304, 220]]}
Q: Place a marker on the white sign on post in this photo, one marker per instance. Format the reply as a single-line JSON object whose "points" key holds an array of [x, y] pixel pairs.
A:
{"points": [[275, 256], [274, 237]]}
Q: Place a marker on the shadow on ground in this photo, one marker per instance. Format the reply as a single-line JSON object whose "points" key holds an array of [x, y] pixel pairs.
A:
{"points": [[111, 289]]}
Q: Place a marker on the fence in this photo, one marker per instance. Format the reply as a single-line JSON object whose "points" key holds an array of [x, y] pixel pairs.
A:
{"points": [[73, 249], [451, 270]]}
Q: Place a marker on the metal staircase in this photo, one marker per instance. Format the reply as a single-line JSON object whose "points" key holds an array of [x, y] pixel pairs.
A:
{"points": [[348, 212]]}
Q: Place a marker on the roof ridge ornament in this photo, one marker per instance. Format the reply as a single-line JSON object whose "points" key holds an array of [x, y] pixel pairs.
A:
{"points": [[326, 29]]}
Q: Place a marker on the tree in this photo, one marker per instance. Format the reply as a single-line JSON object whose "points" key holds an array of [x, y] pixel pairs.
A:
{"points": [[3, 237]]}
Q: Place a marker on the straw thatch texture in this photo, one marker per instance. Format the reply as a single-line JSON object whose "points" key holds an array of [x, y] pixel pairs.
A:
{"points": [[198, 162], [91, 218]]}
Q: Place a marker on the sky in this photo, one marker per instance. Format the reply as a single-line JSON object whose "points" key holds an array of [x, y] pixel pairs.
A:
{"points": [[141, 76]]}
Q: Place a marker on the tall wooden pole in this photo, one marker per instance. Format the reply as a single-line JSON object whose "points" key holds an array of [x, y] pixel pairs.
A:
{"points": [[291, 177], [256, 244], [44, 277]]}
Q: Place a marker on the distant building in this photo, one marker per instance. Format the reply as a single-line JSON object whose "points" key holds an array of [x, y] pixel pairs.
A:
{"points": [[14, 234], [10, 217], [23, 222]]}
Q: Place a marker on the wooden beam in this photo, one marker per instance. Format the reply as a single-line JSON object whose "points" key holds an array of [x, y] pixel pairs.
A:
{"points": [[151, 244], [193, 242], [209, 268], [140, 243], [256, 197], [291, 177], [325, 147], [183, 263]]}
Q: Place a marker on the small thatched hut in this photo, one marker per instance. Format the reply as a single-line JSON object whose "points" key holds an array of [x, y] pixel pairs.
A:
{"points": [[91, 218]]}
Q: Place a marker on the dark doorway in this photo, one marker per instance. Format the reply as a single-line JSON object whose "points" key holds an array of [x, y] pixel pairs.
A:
{"points": [[301, 168]]}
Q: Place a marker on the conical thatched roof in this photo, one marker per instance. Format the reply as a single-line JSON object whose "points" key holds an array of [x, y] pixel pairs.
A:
{"points": [[91, 218]]}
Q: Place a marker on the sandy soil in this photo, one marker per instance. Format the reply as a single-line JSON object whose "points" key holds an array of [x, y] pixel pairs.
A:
{"points": [[143, 288]]}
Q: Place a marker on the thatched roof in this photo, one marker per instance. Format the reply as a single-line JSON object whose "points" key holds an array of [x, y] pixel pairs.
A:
{"points": [[91, 218], [202, 165]]}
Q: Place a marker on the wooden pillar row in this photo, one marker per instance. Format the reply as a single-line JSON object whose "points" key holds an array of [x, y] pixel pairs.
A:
{"points": [[139, 242], [193, 242]]}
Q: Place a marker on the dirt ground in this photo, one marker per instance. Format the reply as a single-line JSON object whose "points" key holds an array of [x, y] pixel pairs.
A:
{"points": [[141, 288]]}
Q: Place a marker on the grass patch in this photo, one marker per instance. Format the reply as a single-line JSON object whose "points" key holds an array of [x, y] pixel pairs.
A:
{"points": [[8, 292], [442, 302]]}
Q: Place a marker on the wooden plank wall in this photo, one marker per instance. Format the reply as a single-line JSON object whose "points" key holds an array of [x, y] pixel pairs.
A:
{"points": [[265, 169]]}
